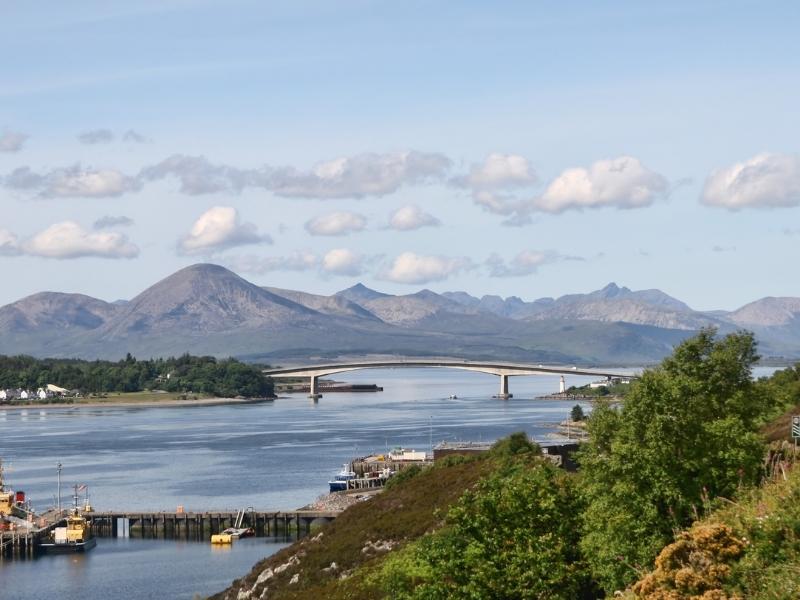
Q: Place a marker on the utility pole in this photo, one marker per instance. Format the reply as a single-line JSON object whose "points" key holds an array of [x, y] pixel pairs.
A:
{"points": [[430, 436], [58, 469]]}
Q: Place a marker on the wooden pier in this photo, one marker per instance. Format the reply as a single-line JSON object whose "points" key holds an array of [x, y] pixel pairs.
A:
{"points": [[201, 525], [23, 539], [23, 536]]}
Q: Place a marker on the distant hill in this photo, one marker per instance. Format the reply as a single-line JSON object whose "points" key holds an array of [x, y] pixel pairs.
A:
{"points": [[329, 305], [207, 309]]}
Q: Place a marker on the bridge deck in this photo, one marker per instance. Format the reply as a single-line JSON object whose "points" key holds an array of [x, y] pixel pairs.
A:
{"points": [[491, 367]]}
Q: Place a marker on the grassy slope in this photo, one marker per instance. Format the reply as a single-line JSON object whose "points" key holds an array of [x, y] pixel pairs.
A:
{"points": [[401, 514]]}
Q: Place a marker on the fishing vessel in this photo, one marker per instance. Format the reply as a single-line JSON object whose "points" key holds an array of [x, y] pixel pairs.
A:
{"points": [[75, 537], [340, 481], [11, 502]]}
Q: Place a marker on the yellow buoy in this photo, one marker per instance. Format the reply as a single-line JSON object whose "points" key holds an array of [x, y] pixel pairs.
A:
{"points": [[222, 538]]}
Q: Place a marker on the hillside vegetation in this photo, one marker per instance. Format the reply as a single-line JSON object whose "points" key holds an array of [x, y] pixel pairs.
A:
{"points": [[666, 505]]}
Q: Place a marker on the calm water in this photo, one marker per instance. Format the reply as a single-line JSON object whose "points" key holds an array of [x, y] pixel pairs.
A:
{"points": [[276, 455]]}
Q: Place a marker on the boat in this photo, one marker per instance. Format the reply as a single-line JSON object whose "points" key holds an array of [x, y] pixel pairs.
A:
{"points": [[75, 537], [237, 531], [6, 496], [453, 397], [340, 482]]}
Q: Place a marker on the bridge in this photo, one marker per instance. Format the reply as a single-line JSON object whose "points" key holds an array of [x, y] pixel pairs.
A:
{"points": [[501, 369]]}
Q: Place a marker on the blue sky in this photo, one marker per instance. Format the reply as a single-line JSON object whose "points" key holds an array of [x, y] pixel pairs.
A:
{"points": [[512, 148]]}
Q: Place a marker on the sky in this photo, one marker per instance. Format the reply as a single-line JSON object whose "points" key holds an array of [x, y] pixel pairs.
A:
{"points": [[512, 148]]}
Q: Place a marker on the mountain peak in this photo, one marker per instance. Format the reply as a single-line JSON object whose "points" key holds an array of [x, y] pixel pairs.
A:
{"points": [[612, 290], [360, 293]]}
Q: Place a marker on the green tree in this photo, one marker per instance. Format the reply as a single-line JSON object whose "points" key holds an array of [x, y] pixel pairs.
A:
{"points": [[514, 536], [576, 414], [686, 433]]}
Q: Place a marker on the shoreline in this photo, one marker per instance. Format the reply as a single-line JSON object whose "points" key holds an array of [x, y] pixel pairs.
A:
{"points": [[122, 403]]}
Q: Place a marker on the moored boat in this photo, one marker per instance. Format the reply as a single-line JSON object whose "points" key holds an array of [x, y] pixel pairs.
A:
{"points": [[75, 537], [340, 481]]}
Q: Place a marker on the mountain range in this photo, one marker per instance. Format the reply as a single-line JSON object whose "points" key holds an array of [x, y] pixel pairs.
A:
{"points": [[207, 309]]}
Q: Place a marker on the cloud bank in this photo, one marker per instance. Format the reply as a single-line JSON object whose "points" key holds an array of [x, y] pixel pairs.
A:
{"points": [[347, 177]]}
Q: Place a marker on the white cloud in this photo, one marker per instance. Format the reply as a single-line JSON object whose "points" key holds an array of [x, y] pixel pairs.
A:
{"points": [[110, 221], [409, 267], [217, 229], [9, 243], [410, 217], [619, 182], [12, 141], [250, 263], [198, 175], [342, 261], [360, 175], [348, 177], [499, 171], [96, 136], [89, 183], [764, 181], [526, 262], [337, 223], [73, 181], [70, 240]]}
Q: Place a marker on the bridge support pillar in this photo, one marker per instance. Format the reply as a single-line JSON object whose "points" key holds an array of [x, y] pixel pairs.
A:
{"points": [[504, 395], [313, 389]]}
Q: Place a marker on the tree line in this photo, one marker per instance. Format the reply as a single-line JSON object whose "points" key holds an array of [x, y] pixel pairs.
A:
{"points": [[196, 374]]}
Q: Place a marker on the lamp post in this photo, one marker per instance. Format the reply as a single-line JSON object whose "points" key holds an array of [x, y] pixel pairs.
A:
{"points": [[58, 469]]}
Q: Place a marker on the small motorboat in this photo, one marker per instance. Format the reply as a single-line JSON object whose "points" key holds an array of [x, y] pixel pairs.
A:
{"points": [[238, 531]]}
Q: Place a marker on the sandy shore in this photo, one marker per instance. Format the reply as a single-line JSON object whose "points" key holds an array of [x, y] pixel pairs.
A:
{"points": [[124, 403]]}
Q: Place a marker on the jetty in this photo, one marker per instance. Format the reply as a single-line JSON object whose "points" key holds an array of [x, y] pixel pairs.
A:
{"points": [[20, 537], [201, 525], [23, 537]]}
